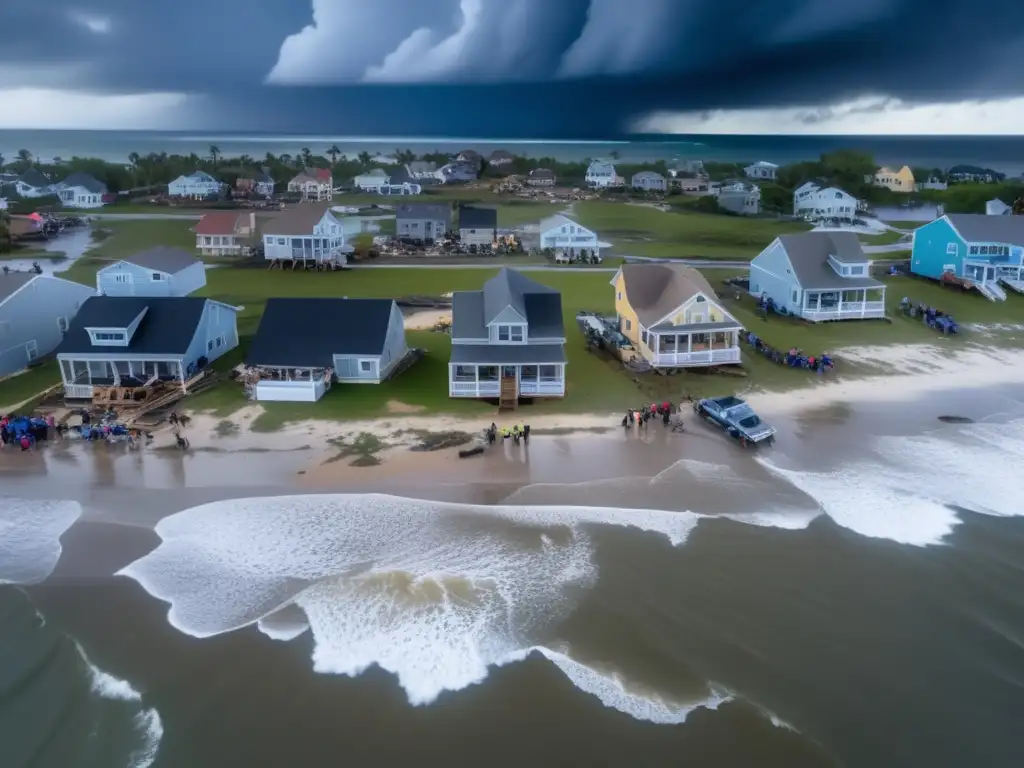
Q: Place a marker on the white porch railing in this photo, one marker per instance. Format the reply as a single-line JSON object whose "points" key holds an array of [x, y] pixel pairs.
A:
{"points": [[542, 387], [474, 388], [701, 357], [78, 391], [852, 310]]}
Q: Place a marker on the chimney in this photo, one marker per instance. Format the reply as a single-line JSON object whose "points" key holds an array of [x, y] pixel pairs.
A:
{"points": [[252, 221]]}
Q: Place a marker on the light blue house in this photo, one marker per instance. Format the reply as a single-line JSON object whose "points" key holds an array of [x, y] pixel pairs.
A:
{"points": [[131, 341], [819, 276], [35, 312], [984, 250], [198, 184], [159, 271]]}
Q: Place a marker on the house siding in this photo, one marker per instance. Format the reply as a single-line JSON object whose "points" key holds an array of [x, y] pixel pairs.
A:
{"points": [[218, 321], [328, 227], [771, 274], [477, 236], [140, 283], [929, 250], [629, 325], [426, 229], [31, 315]]}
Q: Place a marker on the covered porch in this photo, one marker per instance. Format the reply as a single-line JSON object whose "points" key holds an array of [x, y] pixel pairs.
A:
{"points": [[82, 374], [286, 385], [862, 303], [485, 381], [692, 345]]}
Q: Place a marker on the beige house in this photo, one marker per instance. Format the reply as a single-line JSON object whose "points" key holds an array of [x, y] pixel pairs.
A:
{"points": [[313, 184], [895, 181], [226, 233]]}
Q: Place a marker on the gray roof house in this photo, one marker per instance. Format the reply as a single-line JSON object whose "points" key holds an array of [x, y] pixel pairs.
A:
{"points": [[508, 341], [35, 312], [477, 226], [33, 183], [80, 190], [158, 271], [541, 177], [819, 275], [421, 169], [649, 181], [423, 221], [741, 198]]}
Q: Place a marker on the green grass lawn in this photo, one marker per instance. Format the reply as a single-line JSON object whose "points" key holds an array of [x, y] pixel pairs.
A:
{"points": [[30, 252], [644, 231], [25, 386], [883, 238]]}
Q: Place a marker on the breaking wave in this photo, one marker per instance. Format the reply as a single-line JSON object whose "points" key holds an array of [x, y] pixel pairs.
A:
{"points": [[30, 532], [909, 491], [433, 593]]}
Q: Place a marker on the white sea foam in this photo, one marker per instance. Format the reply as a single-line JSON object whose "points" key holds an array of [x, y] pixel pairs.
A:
{"points": [[146, 720], [434, 593], [907, 492], [30, 531]]}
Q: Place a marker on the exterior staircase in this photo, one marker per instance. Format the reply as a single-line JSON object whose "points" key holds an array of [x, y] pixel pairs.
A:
{"points": [[1012, 284], [990, 291], [509, 397]]}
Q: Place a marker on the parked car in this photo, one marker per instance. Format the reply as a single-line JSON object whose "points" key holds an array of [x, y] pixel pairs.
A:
{"points": [[737, 418]]}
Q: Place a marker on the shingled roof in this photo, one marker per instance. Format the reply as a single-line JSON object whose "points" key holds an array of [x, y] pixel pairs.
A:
{"points": [[655, 290]]}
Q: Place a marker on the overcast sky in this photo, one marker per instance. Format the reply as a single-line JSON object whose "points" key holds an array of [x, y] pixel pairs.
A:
{"points": [[506, 68]]}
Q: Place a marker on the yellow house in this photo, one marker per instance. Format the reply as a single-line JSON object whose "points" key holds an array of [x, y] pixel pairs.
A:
{"points": [[896, 181], [673, 317]]}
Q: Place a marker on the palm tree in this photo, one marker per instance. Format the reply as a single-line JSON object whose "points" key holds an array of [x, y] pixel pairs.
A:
{"points": [[269, 159], [365, 158], [214, 152], [333, 153], [307, 156], [285, 159], [614, 154], [25, 158]]}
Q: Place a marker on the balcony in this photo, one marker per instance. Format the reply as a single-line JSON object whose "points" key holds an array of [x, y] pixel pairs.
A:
{"points": [[853, 310], [725, 356]]}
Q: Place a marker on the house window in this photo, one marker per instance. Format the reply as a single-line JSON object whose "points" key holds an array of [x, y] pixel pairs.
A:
{"points": [[549, 372], [858, 270], [974, 250], [31, 350], [700, 299], [517, 334], [951, 249], [795, 295], [628, 324], [643, 335], [280, 241], [102, 336], [216, 343], [618, 296], [122, 277], [62, 324], [366, 366], [156, 277]]}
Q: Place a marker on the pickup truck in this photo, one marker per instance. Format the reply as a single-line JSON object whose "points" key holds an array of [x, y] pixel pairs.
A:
{"points": [[737, 418]]}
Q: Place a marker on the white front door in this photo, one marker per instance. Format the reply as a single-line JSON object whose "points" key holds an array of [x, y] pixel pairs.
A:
{"points": [[31, 350]]}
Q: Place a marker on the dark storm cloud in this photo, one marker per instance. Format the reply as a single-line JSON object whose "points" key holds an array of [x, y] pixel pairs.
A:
{"points": [[523, 67]]}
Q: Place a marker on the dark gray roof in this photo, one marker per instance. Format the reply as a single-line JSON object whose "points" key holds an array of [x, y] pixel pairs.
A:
{"points": [[510, 354], [307, 333], [34, 178], [471, 217], [262, 177], [86, 181], [163, 259], [422, 166], [428, 211], [542, 173], [808, 254], [11, 282], [167, 328], [695, 327], [539, 304], [979, 228], [401, 176]]}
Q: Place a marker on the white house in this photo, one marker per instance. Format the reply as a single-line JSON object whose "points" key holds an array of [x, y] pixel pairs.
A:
{"points": [[649, 181], [35, 311], [761, 170], [3, 203], [306, 232], [159, 271], [996, 207], [197, 185], [567, 238], [313, 184], [814, 202], [405, 188], [600, 174], [421, 169], [372, 181], [32, 183], [80, 190], [305, 345]]}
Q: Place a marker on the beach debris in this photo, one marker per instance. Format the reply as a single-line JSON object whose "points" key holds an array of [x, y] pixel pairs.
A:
{"points": [[439, 441], [474, 451], [362, 450]]}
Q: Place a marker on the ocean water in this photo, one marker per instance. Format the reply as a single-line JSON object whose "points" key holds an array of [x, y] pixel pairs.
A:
{"points": [[1005, 154], [677, 617]]}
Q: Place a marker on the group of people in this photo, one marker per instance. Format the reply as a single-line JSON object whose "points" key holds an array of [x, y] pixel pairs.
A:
{"points": [[794, 358], [516, 432], [932, 317], [640, 416], [24, 431]]}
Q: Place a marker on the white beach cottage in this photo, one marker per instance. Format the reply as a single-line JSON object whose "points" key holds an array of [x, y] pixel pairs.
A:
{"points": [[159, 271], [198, 184], [568, 238], [600, 174]]}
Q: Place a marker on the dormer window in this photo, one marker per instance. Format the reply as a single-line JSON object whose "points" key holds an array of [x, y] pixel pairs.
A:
{"points": [[511, 334], [108, 337]]}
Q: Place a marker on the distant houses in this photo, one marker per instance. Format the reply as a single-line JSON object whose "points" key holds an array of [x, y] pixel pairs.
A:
{"points": [[600, 174], [422, 170], [568, 239], [478, 226], [740, 197], [32, 183], [762, 170], [423, 222], [259, 183], [649, 181], [313, 184], [500, 159], [80, 190], [901, 181], [818, 276], [541, 177], [816, 203], [372, 180], [196, 185], [225, 233]]}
